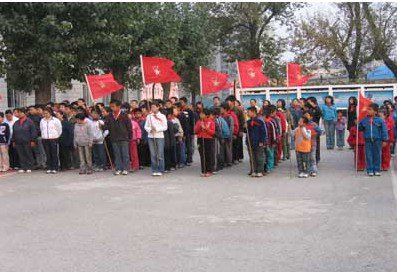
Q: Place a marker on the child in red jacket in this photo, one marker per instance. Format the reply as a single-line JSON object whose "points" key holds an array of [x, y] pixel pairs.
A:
{"points": [[205, 131], [386, 151], [352, 140]]}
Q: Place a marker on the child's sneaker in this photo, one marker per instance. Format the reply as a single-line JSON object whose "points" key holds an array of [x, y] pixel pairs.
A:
{"points": [[48, 171], [253, 174], [117, 172], [21, 171], [377, 173], [370, 174], [313, 174], [28, 171], [301, 175], [305, 175], [124, 172], [53, 171], [259, 175]]}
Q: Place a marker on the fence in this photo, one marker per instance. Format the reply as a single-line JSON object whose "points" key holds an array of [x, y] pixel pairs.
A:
{"points": [[341, 93]]}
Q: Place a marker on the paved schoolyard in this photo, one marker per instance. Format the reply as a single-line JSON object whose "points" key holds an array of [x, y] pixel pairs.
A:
{"points": [[229, 222]]}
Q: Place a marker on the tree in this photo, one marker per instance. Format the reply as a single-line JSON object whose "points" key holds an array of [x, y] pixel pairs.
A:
{"points": [[36, 47], [326, 37], [247, 31], [382, 24]]}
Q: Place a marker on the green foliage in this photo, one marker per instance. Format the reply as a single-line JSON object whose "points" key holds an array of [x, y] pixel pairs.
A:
{"points": [[58, 42]]}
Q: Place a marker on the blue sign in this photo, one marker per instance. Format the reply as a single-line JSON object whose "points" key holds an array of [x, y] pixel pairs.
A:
{"points": [[288, 97]]}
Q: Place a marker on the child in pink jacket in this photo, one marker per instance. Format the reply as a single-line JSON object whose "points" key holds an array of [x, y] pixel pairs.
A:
{"points": [[136, 138]]}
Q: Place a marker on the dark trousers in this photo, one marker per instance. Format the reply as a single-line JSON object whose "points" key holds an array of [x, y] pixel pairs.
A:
{"points": [[221, 155], [99, 155], [206, 147], [240, 148], [25, 155], [303, 160], [144, 154], [189, 143], [66, 157], [51, 153], [257, 157], [318, 149], [13, 155], [169, 157], [235, 149], [121, 155]]}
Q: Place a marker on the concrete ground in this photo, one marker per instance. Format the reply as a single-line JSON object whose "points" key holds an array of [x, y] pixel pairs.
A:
{"points": [[181, 222]]}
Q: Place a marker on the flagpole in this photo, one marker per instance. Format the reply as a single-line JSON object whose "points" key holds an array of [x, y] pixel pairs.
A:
{"points": [[201, 82], [239, 79], [89, 89], [287, 75], [142, 70], [239, 76]]}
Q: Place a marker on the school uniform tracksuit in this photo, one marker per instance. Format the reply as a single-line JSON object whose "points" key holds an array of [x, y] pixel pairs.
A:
{"points": [[24, 133], [256, 140], [206, 144], [375, 132]]}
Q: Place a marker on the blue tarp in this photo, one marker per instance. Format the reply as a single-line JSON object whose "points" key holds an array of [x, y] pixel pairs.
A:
{"points": [[380, 73]]}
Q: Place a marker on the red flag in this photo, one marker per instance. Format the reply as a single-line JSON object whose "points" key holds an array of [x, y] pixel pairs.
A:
{"points": [[212, 81], [102, 85], [158, 70], [363, 103], [250, 73], [295, 77]]}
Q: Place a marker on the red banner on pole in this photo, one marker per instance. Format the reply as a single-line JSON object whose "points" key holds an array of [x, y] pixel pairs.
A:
{"points": [[294, 75], [212, 81], [251, 74], [158, 70], [102, 85]]}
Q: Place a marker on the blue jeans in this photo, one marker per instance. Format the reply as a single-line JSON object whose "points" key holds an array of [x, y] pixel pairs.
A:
{"points": [[340, 138], [99, 156], [269, 159], [373, 155], [330, 133], [121, 155], [156, 146], [313, 161]]}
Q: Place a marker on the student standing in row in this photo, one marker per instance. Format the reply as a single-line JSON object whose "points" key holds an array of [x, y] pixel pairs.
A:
{"points": [[120, 131], [12, 152], [24, 137], [205, 130], [329, 117], [4, 142], [51, 130], [83, 140], [340, 127], [375, 134], [156, 124], [302, 147], [256, 139]]}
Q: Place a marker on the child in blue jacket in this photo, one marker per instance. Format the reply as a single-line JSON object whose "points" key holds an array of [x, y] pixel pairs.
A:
{"points": [[256, 139], [375, 133]]}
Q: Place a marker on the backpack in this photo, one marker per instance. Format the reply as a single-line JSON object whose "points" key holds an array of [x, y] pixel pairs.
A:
{"points": [[224, 129]]}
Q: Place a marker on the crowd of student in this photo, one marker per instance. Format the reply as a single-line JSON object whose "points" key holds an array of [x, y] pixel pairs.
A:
{"points": [[161, 135]]}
